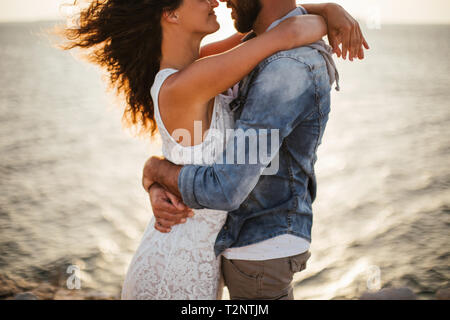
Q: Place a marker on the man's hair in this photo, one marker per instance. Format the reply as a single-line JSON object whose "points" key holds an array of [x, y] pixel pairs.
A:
{"points": [[247, 11]]}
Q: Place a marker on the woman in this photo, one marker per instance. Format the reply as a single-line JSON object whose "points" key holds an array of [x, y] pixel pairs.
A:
{"points": [[158, 42]]}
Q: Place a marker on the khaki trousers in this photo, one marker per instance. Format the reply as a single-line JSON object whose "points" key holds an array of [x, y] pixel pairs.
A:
{"points": [[262, 280]]}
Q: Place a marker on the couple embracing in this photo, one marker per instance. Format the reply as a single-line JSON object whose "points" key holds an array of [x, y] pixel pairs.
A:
{"points": [[250, 226], [218, 221]]}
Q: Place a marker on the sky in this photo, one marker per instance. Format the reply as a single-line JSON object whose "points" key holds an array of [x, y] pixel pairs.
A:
{"points": [[367, 11]]}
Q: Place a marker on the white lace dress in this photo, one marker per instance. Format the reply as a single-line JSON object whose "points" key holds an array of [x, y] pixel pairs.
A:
{"points": [[181, 265]]}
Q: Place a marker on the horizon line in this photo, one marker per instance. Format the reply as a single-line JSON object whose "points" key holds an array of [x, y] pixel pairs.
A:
{"points": [[43, 20]]}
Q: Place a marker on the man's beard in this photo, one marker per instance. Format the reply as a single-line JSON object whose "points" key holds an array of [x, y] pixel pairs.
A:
{"points": [[246, 11]]}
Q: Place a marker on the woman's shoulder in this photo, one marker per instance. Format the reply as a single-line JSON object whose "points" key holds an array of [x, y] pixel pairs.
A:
{"points": [[160, 77]]}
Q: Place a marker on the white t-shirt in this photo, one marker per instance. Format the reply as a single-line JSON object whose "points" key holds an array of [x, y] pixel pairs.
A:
{"points": [[286, 245]]}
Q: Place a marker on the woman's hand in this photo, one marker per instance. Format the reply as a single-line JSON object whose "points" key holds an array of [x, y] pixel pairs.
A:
{"points": [[344, 29], [300, 30]]}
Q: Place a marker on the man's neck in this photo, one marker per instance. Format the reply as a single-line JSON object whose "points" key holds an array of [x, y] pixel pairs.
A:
{"points": [[271, 11]]}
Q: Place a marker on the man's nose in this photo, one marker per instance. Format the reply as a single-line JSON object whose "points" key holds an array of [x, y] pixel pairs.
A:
{"points": [[214, 3]]}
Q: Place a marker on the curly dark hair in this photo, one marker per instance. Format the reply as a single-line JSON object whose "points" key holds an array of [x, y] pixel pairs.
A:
{"points": [[125, 37]]}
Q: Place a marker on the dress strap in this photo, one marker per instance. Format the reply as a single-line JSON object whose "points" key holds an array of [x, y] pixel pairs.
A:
{"points": [[161, 76]]}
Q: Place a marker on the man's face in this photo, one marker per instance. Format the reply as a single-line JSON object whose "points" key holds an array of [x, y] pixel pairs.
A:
{"points": [[244, 13]]}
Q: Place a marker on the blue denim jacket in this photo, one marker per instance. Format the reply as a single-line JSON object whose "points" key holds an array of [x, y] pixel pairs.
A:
{"points": [[289, 91]]}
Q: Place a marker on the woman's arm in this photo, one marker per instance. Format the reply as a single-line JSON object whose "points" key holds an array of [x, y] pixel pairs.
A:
{"points": [[221, 46], [206, 78]]}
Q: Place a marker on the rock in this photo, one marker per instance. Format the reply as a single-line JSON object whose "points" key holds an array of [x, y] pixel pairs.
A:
{"points": [[10, 286], [65, 294], [7, 286], [45, 291], [390, 294], [25, 296], [443, 294], [15, 288], [100, 296]]}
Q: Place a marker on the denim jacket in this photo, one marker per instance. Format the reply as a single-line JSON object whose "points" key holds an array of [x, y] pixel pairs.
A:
{"points": [[289, 91]]}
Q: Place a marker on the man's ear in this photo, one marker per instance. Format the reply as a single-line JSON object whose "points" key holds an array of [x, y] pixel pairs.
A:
{"points": [[170, 16]]}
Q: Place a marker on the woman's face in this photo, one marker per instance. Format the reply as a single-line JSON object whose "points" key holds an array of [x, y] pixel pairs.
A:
{"points": [[197, 16]]}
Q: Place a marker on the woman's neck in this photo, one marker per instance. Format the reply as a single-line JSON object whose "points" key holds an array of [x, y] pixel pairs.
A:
{"points": [[179, 50]]}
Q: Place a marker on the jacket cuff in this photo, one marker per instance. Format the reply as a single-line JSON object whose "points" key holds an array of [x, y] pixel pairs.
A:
{"points": [[186, 181]]}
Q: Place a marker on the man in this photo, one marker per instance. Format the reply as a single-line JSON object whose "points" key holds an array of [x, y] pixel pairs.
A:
{"points": [[267, 235]]}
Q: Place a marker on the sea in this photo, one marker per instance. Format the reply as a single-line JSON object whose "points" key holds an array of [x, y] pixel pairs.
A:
{"points": [[70, 174]]}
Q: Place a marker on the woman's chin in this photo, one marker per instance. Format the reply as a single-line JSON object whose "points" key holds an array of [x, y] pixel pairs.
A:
{"points": [[215, 27]]}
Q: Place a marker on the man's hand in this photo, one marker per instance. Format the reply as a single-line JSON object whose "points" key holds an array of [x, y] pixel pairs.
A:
{"points": [[159, 177], [168, 209], [344, 29]]}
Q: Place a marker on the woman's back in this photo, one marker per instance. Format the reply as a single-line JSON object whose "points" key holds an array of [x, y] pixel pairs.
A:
{"points": [[211, 146]]}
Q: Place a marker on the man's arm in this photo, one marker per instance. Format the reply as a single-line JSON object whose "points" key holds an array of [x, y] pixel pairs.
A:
{"points": [[274, 102], [342, 29], [158, 171]]}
